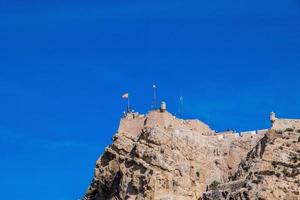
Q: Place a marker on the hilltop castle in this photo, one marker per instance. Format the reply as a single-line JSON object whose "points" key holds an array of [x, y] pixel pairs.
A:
{"points": [[133, 123], [160, 157]]}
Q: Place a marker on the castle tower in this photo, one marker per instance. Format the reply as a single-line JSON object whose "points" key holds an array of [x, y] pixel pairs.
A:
{"points": [[163, 106], [272, 117]]}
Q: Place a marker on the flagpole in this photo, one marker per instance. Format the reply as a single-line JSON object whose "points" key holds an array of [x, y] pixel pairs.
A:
{"points": [[128, 104], [126, 96]]}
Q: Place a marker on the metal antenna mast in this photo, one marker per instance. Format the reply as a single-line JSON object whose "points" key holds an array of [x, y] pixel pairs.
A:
{"points": [[154, 96], [128, 105], [181, 106]]}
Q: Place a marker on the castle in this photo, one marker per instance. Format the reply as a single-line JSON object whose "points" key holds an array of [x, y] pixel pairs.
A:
{"points": [[160, 157], [133, 123]]}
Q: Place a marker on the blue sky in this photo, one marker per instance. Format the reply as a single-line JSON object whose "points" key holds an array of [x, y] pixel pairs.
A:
{"points": [[64, 65]]}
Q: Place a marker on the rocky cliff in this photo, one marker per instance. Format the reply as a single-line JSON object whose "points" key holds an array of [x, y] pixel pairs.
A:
{"points": [[271, 170], [161, 157]]}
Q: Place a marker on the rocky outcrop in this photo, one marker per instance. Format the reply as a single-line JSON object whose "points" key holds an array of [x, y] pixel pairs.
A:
{"points": [[271, 170], [160, 157]]}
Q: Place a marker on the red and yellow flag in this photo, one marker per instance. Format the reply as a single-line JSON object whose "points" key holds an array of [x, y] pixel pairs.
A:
{"points": [[125, 96]]}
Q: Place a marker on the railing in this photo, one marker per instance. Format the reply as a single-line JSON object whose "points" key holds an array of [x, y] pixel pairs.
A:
{"points": [[240, 134]]}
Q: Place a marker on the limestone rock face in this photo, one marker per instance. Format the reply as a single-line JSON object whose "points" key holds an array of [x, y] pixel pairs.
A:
{"points": [[160, 157], [271, 170]]}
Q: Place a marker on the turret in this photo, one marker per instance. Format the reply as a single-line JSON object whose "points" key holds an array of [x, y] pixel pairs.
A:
{"points": [[272, 117], [163, 106]]}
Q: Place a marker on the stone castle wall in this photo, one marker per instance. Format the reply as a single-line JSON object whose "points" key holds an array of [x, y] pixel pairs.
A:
{"points": [[283, 124]]}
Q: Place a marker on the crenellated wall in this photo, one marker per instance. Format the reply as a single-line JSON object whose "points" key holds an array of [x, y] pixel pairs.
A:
{"points": [[132, 124], [283, 124]]}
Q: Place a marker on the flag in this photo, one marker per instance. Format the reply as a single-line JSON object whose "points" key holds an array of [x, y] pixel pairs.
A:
{"points": [[125, 96]]}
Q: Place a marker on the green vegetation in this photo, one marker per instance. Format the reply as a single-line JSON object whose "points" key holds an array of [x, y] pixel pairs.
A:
{"points": [[214, 185]]}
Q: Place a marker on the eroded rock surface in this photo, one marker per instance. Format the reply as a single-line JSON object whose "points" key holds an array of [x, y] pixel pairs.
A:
{"points": [[271, 170], [160, 157]]}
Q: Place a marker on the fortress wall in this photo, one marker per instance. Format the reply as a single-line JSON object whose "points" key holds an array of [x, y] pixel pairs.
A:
{"points": [[283, 124], [225, 133], [165, 119], [231, 134], [262, 131], [198, 126], [133, 124], [132, 127], [248, 133], [160, 119]]}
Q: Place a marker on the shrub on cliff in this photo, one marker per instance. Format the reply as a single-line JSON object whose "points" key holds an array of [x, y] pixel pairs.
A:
{"points": [[214, 185]]}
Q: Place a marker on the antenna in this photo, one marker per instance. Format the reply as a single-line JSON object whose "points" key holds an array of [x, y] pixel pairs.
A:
{"points": [[154, 96], [181, 106], [128, 105]]}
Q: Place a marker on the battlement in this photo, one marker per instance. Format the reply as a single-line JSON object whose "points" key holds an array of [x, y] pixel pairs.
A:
{"points": [[133, 123], [233, 134], [283, 124]]}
